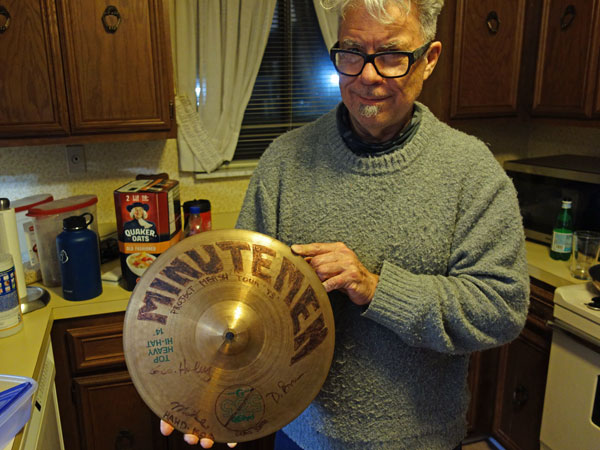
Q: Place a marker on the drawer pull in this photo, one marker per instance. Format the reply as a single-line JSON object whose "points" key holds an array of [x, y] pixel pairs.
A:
{"points": [[4, 13], [520, 396], [114, 12], [492, 21], [124, 440], [568, 17]]}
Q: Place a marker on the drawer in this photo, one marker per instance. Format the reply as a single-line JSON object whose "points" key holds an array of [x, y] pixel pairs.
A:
{"points": [[95, 347]]}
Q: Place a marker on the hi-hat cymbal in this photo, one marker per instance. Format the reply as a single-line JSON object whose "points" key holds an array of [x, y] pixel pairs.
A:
{"points": [[228, 335]]}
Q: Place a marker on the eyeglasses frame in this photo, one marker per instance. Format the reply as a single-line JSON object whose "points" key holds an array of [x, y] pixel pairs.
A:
{"points": [[370, 58]]}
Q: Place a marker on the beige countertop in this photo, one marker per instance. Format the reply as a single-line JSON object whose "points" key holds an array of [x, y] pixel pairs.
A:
{"points": [[546, 269], [22, 354], [19, 353]]}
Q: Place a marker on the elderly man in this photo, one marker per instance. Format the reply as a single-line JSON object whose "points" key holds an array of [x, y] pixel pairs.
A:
{"points": [[414, 230]]}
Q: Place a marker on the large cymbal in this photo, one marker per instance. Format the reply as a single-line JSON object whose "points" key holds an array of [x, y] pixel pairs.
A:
{"points": [[228, 335]]}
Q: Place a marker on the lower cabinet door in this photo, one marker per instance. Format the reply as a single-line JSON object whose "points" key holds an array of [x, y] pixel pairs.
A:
{"points": [[523, 367], [113, 416]]}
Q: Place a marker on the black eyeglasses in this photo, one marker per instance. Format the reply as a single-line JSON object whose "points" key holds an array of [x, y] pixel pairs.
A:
{"points": [[392, 64]]}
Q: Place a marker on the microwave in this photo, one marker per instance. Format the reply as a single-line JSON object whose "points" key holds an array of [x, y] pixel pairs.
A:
{"points": [[542, 183]]}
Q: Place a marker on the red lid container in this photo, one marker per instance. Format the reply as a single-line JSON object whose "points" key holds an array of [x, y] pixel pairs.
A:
{"points": [[24, 204], [48, 223], [62, 206]]}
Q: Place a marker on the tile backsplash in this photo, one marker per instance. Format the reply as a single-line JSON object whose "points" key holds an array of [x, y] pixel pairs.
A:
{"points": [[509, 139], [27, 171], [43, 169]]}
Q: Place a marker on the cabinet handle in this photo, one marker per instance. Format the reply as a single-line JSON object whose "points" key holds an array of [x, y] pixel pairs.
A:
{"points": [[124, 440], [492, 21], [114, 12], [520, 396], [4, 26], [568, 17]]}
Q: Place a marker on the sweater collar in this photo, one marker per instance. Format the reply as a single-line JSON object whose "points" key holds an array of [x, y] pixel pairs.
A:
{"points": [[342, 158], [365, 149]]}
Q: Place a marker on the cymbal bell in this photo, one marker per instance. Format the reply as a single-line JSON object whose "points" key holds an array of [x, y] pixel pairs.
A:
{"points": [[228, 335]]}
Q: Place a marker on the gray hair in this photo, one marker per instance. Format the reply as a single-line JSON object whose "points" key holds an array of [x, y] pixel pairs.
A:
{"points": [[427, 11]]}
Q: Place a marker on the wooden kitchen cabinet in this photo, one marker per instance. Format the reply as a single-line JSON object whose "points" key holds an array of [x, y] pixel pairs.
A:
{"points": [[76, 72], [99, 405], [32, 92], [511, 58], [508, 383], [106, 402], [487, 57], [487, 65], [596, 112], [567, 82], [522, 371]]}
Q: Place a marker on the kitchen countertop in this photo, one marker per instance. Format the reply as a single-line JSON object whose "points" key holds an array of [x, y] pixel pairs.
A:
{"points": [[550, 271], [22, 353]]}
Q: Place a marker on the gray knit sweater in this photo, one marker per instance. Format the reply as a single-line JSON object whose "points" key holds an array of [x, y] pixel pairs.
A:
{"points": [[438, 219]]}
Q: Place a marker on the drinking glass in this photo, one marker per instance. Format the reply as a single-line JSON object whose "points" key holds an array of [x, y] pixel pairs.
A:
{"points": [[586, 249]]}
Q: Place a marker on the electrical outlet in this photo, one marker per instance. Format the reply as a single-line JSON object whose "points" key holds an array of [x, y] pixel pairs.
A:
{"points": [[75, 158]]}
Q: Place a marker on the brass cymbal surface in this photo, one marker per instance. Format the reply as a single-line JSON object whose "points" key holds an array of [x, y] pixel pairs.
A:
{"points": [[228, 335]]}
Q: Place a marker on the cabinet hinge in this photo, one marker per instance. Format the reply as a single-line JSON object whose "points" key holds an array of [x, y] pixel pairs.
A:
{"points": [[172, 109]]}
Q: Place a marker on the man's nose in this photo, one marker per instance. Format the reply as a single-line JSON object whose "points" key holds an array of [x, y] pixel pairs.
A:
{"points": [[369, 74]]}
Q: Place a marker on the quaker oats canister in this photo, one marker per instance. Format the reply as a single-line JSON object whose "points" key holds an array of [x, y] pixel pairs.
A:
{"points": [[148, 223]]}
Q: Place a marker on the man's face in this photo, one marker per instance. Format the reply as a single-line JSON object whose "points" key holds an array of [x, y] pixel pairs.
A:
{"points": [[380, 107]]}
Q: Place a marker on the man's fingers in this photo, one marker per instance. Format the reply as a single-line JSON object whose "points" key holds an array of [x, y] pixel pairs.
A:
{"points": [[206, 442], [326, 271], [165, 428], [333, 283], [316, 248], [191, 439]]}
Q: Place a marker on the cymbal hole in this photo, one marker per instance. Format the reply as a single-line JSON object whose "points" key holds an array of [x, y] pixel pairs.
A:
{"points": [[229, 336]]}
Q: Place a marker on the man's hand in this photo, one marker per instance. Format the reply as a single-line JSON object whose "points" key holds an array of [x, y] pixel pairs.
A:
{"points": [[338, 268], [166, 429]]}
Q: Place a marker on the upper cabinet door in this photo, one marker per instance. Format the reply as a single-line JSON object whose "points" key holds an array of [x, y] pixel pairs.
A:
{"points": [[487, 57], [117, 64], [597, 107], [567, 64], [596, 112], [32, 91]]}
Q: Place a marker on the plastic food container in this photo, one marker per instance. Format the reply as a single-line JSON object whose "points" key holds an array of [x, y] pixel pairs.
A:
{"points": [[15, 405], [48, 223], [27, 243]]}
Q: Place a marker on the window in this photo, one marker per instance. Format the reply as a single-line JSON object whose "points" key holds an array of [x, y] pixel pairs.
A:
{"points": [[296, 82]]}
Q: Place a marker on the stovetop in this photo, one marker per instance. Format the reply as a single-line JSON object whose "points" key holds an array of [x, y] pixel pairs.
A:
{"points": [[572, 305]]}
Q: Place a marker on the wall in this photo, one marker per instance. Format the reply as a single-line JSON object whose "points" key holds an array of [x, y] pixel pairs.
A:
{"points": [[43, 169], [508, 139], [34, 170]]}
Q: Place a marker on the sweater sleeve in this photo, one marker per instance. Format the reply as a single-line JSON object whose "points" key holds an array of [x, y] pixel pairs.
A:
{"points": [[258, 211], [482, 300]]}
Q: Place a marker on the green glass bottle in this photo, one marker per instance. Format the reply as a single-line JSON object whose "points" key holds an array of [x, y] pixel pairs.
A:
{"points": [[562, 234]]}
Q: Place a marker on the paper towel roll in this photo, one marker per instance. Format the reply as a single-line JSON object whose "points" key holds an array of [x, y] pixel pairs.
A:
{"points": [[9, 243]]}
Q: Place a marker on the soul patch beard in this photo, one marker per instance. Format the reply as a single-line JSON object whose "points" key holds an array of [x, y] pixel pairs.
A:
{"points": [[369, 111]]}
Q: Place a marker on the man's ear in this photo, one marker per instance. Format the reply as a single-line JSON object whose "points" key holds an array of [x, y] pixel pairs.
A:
{"points": [[433, 54]]}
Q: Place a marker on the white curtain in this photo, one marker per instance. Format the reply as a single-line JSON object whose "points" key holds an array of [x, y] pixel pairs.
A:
{"points": [[221, 43], [328, 22]]}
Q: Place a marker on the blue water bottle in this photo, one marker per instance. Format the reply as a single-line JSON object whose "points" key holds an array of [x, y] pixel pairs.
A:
{"points": [[79, 257]]}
